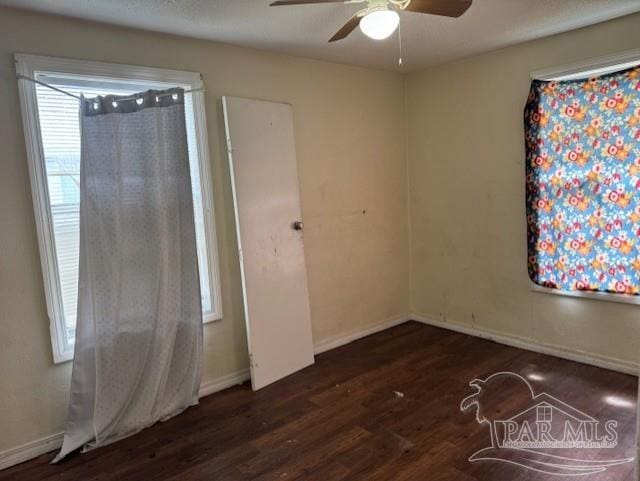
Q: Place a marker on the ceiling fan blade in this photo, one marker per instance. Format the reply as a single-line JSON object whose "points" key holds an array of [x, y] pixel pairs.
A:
{"points": [[447, 8], [279, 3], [348, 27]]}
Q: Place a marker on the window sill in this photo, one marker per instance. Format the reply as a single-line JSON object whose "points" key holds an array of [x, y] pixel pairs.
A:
{"points": [[211, 317], [66, 356], [62, 357], [598, 296]]}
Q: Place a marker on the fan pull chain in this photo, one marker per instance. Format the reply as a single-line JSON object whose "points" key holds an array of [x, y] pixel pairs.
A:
{"points": [[400, 44]]}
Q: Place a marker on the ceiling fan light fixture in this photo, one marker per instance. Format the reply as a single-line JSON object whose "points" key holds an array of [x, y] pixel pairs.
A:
{"points": [[380, 24]]}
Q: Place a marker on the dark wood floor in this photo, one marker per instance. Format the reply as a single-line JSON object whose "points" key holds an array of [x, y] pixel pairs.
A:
{"points": [[341, 419]]}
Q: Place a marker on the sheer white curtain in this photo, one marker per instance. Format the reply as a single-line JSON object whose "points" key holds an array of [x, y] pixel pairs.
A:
{"points": [[138, 351]]}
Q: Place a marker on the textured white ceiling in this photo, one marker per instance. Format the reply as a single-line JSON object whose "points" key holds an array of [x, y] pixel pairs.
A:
{"points": [[304, 30]]}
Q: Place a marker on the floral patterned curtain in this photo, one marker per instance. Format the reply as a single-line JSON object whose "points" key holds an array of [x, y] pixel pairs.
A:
{"points": [[583, 183]]}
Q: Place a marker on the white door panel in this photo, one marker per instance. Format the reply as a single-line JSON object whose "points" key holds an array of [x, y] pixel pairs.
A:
{"points": [[262, 159]]}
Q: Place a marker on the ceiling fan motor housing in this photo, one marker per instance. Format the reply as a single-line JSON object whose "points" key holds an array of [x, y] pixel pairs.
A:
{"points": [[386, 19], [376, 6]]}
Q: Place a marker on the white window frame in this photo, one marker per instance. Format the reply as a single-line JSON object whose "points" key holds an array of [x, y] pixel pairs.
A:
{"points": [[590, 67], [582, 69], [29, 66]]}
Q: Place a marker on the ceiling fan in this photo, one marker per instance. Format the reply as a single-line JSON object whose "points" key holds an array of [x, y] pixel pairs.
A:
{"points": [[379, 19]]}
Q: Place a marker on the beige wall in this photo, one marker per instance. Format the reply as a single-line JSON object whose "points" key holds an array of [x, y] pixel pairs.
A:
{"points": [[467, 218], [350, 146], [466, 230]]}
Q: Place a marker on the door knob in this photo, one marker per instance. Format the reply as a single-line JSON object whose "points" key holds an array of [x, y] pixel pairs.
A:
{"points": [[298, 225]]}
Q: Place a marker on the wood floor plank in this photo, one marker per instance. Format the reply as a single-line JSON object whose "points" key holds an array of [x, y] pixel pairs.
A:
{"points": [[384, 408]]}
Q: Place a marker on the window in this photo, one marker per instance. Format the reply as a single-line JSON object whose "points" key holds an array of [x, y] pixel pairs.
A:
{"points": [[583, 182], [53, 143], [544, 414]]}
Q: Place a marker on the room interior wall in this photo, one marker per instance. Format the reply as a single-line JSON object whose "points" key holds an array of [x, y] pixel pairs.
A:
{"points": [[430, 174], [352, 171], [467, 207]]}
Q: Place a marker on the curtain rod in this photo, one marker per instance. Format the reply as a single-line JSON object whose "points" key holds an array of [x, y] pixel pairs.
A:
{"points": [[24, 77]]}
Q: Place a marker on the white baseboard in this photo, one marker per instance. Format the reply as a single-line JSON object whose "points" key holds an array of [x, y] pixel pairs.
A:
{"points": [[31, 450], [224, 382], [583, 357], [354, 335]]}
